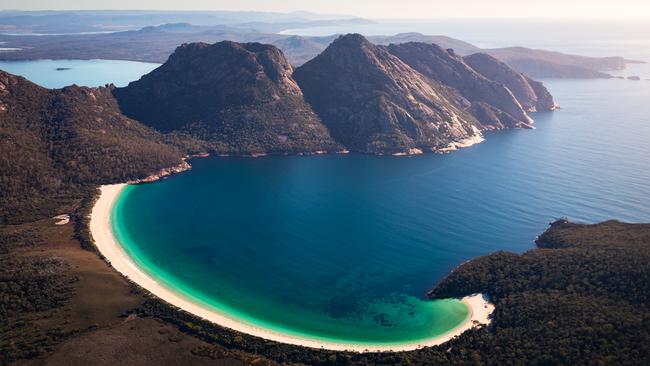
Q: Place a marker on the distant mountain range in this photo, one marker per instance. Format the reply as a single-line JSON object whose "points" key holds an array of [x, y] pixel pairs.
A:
{"points": [[92, 21], [156, 43]]}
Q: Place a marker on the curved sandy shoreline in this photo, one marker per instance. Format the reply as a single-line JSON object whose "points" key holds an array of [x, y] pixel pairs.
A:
{"points": [[100, 227]]}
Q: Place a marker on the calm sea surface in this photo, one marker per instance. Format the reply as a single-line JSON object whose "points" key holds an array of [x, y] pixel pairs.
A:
{"points": [[344, 248]]}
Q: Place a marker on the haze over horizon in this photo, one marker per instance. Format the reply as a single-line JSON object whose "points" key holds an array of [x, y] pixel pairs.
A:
{"points": [[379, 9]]}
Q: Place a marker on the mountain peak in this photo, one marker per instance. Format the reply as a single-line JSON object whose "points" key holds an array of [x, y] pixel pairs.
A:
{"points": [[373, 102], [351, 39], [450, 69], [349, 44], [237, 95]]}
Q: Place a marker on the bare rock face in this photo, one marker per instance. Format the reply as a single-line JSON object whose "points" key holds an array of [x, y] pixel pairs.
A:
{"points": [[545, 101], [531, 94], [246, 98], [240, 98], [449, 69], [374, 102]]}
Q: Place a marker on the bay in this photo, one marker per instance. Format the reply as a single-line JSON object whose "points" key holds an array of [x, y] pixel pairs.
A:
{"points": [[344, 247]]}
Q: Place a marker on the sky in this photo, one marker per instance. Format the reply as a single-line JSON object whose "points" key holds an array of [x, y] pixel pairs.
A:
{"points": [[377, 9]]}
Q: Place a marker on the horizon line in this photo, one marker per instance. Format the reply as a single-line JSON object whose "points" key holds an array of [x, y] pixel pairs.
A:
{"points": [[451, 17]]}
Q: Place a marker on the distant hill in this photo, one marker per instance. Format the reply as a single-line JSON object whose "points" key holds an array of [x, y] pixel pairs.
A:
{"points": [[531, 94], [156, 43], [85, 21], [542, 63]]}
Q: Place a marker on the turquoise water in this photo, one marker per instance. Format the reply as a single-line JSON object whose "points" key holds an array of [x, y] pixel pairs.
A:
{"points": [[344, 248], [300, 261], [80, 72]]}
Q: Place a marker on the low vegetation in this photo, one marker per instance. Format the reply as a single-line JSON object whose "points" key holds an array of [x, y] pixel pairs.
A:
{"points": [[32, 287]]}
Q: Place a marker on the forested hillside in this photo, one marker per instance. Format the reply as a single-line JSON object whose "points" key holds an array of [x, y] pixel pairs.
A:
{"points": [[581, 298], [54, 142]]}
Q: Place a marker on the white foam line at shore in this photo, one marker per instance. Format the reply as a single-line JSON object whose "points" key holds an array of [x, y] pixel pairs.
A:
{"points": [[100, 226]]}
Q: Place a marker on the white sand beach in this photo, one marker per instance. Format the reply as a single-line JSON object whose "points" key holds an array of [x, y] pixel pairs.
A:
{"points": [[100, 226]]}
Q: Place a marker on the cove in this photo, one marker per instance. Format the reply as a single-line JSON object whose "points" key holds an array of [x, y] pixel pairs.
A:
{"points": [[294, 285]]}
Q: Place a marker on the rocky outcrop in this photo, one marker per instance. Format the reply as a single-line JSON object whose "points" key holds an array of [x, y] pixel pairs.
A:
{"points": [[532, 95], [163, 173], [374, 102], [488, 97], [545, 101], [240, 98]]}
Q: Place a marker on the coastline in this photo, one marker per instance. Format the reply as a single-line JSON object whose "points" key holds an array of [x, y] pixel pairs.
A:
{"points": [[100, 227], [477, 138]]}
